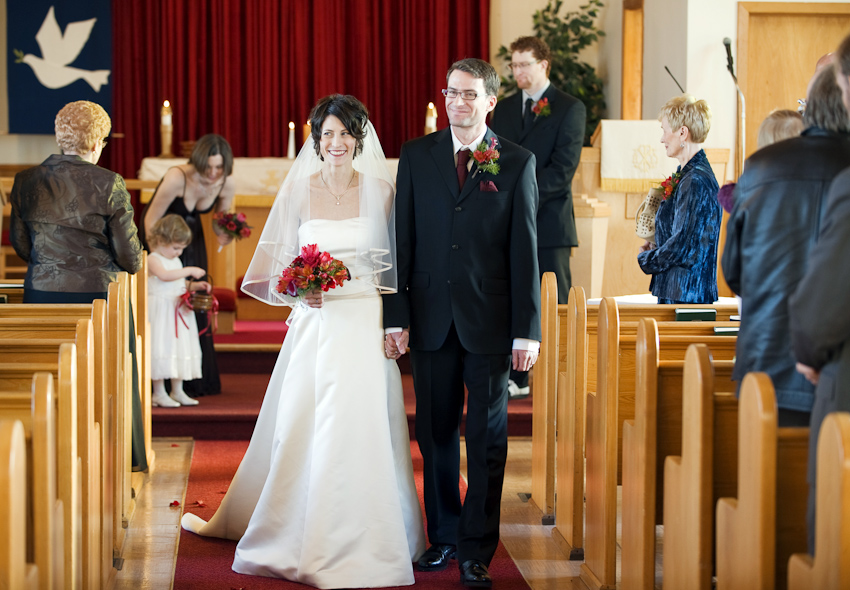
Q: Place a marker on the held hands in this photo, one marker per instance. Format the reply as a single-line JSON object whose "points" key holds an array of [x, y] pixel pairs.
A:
{"points": [[523, 360], [646, 247], [395, 344], [313, 298], [223, 239]]}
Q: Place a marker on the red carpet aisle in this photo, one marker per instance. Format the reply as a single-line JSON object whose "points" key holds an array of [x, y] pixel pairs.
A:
{"points": [[204, 563]]}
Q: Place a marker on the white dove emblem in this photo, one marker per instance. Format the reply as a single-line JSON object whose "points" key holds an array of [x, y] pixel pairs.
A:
{"points": [[58, 50]]}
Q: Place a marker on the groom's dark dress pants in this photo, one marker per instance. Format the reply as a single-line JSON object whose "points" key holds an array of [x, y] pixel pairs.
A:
{"points": [[439, 377]]}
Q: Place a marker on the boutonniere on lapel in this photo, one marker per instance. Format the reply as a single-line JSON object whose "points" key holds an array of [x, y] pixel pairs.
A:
{"points": [[669, 185], [487, 157], [542, 108]]}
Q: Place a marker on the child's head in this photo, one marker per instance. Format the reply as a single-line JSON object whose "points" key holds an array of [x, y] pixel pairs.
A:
{"points": [[778, 125], [168, 230]]}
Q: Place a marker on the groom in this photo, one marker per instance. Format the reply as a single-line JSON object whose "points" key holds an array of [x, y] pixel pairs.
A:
{"points": [[468, 304]]}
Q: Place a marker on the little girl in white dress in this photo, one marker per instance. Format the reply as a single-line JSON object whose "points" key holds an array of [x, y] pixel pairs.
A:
{"points": [[175, 351]]}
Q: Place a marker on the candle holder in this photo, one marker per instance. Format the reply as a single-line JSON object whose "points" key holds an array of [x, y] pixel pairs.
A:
{"points": [[430, 119], [166, 130]]}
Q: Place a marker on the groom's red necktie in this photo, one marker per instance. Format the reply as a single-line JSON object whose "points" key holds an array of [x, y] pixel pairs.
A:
{"points": [[462, 172]]}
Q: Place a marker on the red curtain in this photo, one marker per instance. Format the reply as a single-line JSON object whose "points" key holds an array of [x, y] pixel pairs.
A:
{"points": [[244, 69]]}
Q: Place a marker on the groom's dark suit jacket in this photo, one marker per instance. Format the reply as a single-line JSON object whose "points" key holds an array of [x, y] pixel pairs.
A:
{"points": [[555, 140], [465, 256]]}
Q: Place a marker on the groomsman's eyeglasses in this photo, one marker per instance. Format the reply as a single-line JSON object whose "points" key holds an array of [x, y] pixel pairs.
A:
{"points": [[522, 66], [452, 94], [103, 143]]}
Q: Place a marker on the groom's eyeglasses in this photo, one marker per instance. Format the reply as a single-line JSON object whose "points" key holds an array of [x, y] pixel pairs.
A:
{"points": [[452, 94]]}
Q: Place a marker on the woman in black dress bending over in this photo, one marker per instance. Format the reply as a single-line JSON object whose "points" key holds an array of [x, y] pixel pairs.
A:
{"points": [[201, 185]]}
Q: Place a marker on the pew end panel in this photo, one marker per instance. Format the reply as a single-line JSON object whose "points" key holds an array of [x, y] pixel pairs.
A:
{"points": [[693, 481], [764, 524], [599, 568], [13, 503], [572, 391], [543, 403], [830, 566]]}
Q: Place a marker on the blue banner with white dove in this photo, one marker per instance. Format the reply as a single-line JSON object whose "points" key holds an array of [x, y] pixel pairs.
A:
{"points": [[59, 51]]}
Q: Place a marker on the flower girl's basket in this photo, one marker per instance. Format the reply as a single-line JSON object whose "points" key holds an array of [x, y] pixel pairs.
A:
{"points": [[645, 215]]}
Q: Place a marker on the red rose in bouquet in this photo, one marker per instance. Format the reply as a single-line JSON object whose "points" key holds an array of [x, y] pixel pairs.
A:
{"points": [[233, 224], [314, 269]]}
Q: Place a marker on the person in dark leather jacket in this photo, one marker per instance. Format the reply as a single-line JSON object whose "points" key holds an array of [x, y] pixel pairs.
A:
{"points": [[779, 205], [72, 221]]}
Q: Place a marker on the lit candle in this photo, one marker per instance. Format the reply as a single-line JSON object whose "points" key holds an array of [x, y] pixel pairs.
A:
{"points": [[290, 151], [430, 119], [165, 129], [165, 119], [308, 129]]}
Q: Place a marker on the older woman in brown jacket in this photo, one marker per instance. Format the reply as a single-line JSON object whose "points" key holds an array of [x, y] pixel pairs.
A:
{"points": [[72, 221]]}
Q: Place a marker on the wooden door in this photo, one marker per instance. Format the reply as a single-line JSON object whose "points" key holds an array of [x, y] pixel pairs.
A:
{"points": [[778, 46]]}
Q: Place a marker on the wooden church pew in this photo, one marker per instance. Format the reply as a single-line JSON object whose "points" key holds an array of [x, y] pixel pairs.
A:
{"points": [[13, 289], [543, 402], [89, 436], [830, 567], [36, 409], [15, 572], [15, 377], [606, 409], [119, 380], [759, 529], [139, 282], [113, 405], [571, 394], [654, 434], [101, 405], [577, 329], [706, 470]]}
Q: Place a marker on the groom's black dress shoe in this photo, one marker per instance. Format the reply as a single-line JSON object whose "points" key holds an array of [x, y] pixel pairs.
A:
{"points": [[474, 574], [436, 558]]}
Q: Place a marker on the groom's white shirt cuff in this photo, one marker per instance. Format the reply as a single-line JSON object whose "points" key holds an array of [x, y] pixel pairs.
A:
{"points": [[519, 343]]}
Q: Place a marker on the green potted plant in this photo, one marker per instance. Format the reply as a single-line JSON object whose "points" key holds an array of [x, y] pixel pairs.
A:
{"points": [[566, 37]]}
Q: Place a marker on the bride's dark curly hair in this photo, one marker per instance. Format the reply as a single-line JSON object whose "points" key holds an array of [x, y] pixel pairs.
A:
{"points": [[348, 110]]}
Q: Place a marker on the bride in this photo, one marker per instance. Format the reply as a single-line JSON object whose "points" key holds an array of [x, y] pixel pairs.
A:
{"points": [[325, 493]]}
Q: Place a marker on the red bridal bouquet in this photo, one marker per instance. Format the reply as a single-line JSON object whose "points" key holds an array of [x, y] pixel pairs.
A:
{"points": [[233, 224], [312, 270]]}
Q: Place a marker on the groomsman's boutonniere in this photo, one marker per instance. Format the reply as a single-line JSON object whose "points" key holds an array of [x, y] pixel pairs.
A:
{"points": [[542, 108], [487, 157]]}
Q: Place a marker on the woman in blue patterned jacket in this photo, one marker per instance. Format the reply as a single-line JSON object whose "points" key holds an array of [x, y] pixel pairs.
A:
{"points": [[683, 261]]}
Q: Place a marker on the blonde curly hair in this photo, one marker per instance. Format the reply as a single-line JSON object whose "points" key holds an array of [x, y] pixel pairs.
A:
{"points": [[687, 111], [80, 125], [171, 229]]}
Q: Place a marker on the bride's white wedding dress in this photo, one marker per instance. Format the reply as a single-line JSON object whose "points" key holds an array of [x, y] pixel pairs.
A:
{"points": [[325, 493]]}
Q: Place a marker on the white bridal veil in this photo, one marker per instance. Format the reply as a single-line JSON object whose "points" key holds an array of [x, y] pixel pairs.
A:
{"points": [[374, 261]]}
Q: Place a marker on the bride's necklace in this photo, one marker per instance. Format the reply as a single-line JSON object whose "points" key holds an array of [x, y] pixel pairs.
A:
{"points": [[328, 188]]}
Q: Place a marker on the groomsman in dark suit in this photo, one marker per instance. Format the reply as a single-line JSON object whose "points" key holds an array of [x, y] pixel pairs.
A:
{"points": [[550, 124], [468, 304]]}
